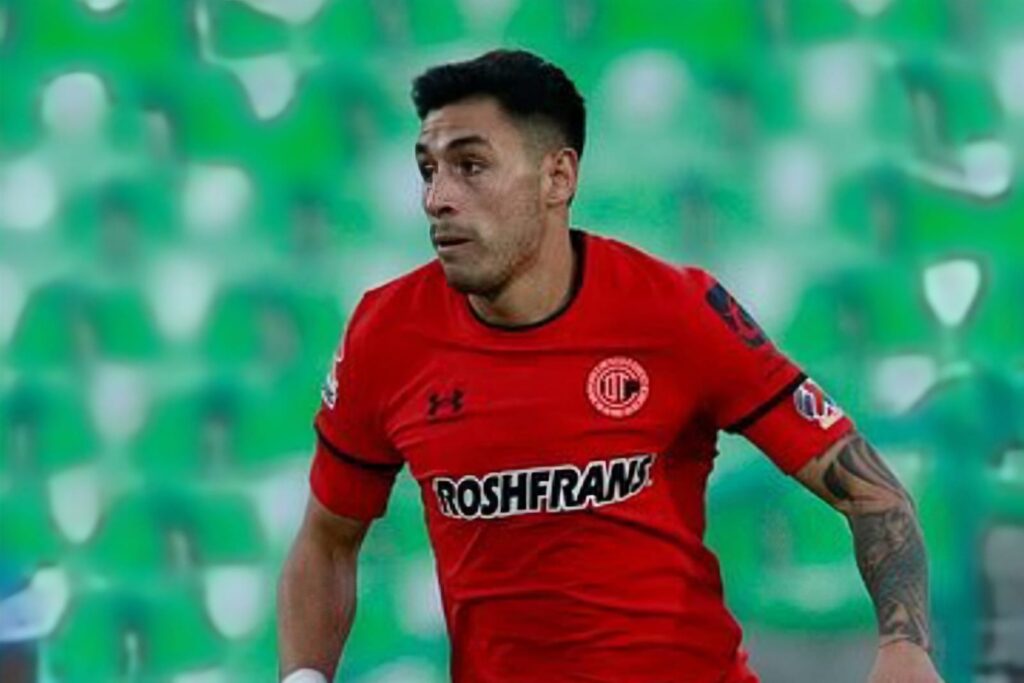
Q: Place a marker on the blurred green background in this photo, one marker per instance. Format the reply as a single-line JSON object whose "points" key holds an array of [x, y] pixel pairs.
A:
{"points": [[193, 194]]}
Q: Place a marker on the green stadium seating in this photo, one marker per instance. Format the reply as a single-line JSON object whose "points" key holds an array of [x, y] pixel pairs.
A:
{"points": [[347, 32], [994, 334], [961, 98], [274, 423], [118, 635], [226, 530], [45, 429], [122, 222], [28, 535], [238, 30], [904, 24], [431, 23], [786, 557], [229, 420], [65, 324], [271, 326], [860, 314], [941, 222], [155, 536], [228, 427], [125, 327], [55, 328], [187, 434], [715, 35]]}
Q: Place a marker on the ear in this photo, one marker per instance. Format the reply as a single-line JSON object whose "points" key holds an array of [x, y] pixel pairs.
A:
{"points": [[560, 174]]}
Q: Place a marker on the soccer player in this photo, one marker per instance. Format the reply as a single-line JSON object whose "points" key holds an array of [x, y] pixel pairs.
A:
{"points": [[557, 396]]}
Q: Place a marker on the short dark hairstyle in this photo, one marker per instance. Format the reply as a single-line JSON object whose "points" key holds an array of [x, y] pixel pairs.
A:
{"points": [[526, 86]]}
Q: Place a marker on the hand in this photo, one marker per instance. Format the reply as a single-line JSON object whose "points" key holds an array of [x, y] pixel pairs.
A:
{"points": [[903, 662]]}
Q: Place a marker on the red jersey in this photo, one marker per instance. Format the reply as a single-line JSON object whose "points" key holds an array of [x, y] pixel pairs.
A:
{"points": [[563, 465]]}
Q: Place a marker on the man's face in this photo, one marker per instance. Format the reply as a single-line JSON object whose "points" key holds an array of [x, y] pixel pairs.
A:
{"points": [[481, 193]]}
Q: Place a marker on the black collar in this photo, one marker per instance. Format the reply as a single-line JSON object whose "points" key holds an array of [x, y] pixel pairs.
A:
{"points": [[577, 239]]}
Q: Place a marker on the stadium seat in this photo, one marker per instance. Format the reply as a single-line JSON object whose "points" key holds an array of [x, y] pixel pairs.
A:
{"points": [[994, 333], [270, 326], [861, 313], [225, 529], [714, 35], [313, 226], [121, 222], [44, 429], [556, 30], [940, 222], [20, 127], [906, 23], [94, 642], [179, 636], [125, 327], [254, 657], [53, 32], [28, 535], [187, 434], [124, 635], [161, 534], [66, 324], [908, 220], [134, 546], [786, 558], [228, 427], [56, 328], [207, 110], [274, 423], [869, 208], [961, 98], [238, 30], [346, 32], [432, 23]]}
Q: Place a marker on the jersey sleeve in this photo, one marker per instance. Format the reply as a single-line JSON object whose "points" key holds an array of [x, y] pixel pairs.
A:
{"points": [[354, 466], [750, 387]]}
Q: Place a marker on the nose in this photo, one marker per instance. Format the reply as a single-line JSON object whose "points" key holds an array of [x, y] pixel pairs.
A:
{"points": [[437, 195]]}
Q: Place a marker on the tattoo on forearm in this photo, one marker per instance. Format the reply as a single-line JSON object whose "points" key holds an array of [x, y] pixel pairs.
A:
{"points": [[887, 540]]}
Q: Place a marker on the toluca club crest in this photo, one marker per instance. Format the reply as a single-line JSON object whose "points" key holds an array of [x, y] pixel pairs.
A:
{"points": [[618, 386]]}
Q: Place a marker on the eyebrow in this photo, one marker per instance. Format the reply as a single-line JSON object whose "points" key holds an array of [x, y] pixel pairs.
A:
{"points": [[464, 141]]}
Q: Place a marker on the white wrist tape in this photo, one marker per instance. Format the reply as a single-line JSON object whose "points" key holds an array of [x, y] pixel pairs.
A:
{"points": [[305, 676]]}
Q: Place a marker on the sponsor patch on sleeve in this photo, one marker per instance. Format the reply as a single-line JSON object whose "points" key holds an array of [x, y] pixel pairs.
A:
{"points": [[814, 405], [329, 389]]}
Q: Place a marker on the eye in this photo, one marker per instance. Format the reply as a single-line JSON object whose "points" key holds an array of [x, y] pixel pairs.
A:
{"points": [[426, 172], [470, 167]]}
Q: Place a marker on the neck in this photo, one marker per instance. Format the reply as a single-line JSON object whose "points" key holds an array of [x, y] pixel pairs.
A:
{"points": [[539, 291]]}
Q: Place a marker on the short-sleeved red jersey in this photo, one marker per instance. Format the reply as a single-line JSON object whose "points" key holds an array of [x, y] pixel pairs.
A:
{"points": [[563, 465]]}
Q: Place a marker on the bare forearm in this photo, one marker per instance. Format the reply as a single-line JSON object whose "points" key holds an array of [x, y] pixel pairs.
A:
{"points": [[887, 541], [891, 557], [315, 605]]}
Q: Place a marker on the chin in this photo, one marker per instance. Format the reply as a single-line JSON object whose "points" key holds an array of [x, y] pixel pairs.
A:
{"points": [[469, 283]]}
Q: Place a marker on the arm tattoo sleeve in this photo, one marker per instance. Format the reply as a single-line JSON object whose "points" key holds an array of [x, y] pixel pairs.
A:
{"points": [[887, 541]]}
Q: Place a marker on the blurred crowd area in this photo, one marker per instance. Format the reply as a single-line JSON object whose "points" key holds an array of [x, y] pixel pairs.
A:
{"points": [[193, 194]]}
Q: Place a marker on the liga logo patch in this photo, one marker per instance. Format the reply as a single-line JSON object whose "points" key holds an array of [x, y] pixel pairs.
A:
{"points": [[618, 386], [815, 405]]}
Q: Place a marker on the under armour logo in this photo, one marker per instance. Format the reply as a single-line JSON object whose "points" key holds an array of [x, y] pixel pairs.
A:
{"points": [[451, 401]]}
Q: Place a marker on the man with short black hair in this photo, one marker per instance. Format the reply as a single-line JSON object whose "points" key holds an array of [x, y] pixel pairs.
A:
{"points": [[558, 395]]}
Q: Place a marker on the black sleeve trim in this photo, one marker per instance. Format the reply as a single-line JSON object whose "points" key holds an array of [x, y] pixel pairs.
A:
{"points": [[355, 460], [763, 409]]}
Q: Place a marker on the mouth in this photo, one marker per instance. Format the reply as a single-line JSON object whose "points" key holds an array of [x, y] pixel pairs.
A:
{"points": [[446, 243]]}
